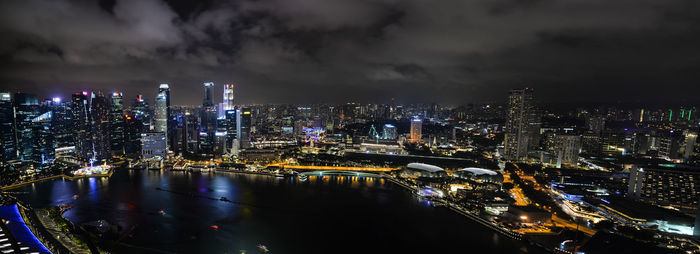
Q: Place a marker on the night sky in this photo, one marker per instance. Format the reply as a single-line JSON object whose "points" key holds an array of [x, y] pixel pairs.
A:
{"points": [[309, 51]]}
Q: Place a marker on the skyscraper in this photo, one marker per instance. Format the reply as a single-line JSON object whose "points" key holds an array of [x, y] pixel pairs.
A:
{"points": [[100, 116], [26, 109], [228, 97], [43, 151], [162, 110], [416, 130], [208, 94], [244, 122], [8, 143], [390, 131], [208, 117], [142, 112], [117, 124], [81, 125], [519, 123], [62, 123]]}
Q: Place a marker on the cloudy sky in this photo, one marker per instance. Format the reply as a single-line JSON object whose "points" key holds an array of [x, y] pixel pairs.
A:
{"points": [[307, 51]]}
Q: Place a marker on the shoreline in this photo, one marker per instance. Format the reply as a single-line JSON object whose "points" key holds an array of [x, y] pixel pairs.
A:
{"points": [[64, 176]]}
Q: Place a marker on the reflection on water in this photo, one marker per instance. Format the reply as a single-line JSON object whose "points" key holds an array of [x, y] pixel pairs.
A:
{"points": [[325, 214]]}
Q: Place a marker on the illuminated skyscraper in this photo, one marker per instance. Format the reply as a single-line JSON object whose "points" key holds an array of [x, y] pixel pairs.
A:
{"points": [[228, 97], [8, 143], [208, 117], [81, 124], [244, 122], [416, 130], [117, 124], [208, 94], [26, 109], [390, 131], [162, 110], [142, 112], [520, 123], [100, 116]]}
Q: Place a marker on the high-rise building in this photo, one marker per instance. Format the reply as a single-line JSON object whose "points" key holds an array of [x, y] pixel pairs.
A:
{"points": [[244, 123], [133, 127], [416, 130], [519, 123], [26, 109], [231, 128], [8, 142], [43, 151], [228, 97], [62, 123], [208, 116], [82, 138], [142, 112], [117, 124], [208, 94], [100, 116], [675, 186], [153, 145], [191, 130], [389, 132], [161, 113], [567, 149]]}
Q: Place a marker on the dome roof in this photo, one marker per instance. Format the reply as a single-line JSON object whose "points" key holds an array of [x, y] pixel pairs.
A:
{"points": [[480, 171], [424, 167]]}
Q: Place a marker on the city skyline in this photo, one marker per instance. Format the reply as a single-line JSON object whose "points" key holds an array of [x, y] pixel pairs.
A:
{"points": [[349, 126], [356, 51]]}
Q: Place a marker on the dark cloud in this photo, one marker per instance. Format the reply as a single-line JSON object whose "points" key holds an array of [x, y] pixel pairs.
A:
{"points": [[356, 50]]}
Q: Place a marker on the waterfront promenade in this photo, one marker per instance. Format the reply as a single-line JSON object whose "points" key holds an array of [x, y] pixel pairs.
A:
{"points": [[64, 176]]}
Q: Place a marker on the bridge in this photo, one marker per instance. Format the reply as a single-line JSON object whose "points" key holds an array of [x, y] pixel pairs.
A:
{"points": [[334, 168], [339, 173]]}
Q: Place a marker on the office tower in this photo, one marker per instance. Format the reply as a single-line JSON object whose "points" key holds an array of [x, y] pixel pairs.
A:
{"points": [[208, 118], [220, 136], [228, 97], [161, 113], [26, 109], [153, 145], [390, 132], [519, 123], [231, 128], [142, 112], [100, 116], [191, 126], [567, 148], [117, 124], [43, 151], [133, 127], [416, 130], [62, 123], [8, 143], [676, 186], [80, 106], [244, 122], [208, 94]]}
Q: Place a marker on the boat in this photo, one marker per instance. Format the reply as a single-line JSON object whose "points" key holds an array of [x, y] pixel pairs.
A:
{"points": [[224, 199]]}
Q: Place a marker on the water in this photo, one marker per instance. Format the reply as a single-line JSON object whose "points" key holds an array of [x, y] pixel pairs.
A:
{"points": [[329, 214]]}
